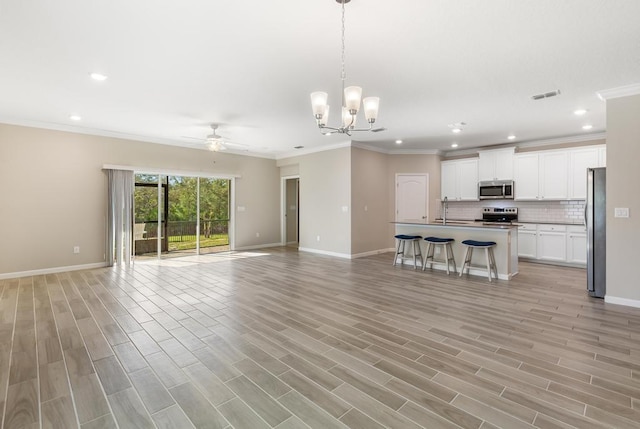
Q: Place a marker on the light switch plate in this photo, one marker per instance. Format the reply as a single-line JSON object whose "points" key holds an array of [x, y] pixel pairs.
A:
{"points": [[621, 212]]}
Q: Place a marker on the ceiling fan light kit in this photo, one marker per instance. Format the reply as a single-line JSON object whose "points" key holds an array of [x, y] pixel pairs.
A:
{"points": [[351, 98]]}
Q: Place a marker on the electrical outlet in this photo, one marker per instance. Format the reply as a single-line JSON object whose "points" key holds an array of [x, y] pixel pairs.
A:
{"points": [[437, 250], [76, 249], [318, 238], [257, 234]]}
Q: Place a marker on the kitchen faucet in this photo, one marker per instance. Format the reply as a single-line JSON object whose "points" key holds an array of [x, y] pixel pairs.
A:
{"points": [[445, 204]]}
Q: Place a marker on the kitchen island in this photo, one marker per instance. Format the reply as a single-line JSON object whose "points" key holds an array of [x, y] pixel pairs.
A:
{"points": [[505, 236]]}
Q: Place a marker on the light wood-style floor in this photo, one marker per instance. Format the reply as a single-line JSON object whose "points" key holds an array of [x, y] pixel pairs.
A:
{"points": [[284, 339]]}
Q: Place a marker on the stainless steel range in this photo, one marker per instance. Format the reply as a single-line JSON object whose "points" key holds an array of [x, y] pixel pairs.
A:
{"points": [[499, 214]]}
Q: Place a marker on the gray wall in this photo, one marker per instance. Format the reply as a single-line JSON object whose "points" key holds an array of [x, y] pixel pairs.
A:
{"points": [[356, 178], [325, 188], [369, 199], [54, 192], [429, 164], [623, 177]]}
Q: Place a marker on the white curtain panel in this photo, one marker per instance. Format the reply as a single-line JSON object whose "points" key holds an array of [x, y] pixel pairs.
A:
{"points": [[119, 233]]}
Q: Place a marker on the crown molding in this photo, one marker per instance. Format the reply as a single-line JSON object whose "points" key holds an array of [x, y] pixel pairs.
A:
{"points": [[562, 140], [74, 129], [621, 91], [415, 152], [365, 146], [532, 143], [300, 152]]}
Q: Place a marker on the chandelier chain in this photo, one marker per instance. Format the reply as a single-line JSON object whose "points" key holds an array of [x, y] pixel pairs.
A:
{"points": [[344, 73]]}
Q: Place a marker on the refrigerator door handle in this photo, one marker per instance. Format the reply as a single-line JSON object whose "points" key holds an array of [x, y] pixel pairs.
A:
{"points": [[584, 220]]}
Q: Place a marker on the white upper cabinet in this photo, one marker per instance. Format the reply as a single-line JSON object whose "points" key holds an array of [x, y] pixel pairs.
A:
{"points": [[468, 175], [526, 176], [496, 164], [553, 175], [448, 179], [459, 179], [541, 175], [559, 174], [602, 156], [579, 161]]}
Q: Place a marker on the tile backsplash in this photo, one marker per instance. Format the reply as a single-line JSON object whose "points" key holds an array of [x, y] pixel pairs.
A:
{"points": [[528, 211]]}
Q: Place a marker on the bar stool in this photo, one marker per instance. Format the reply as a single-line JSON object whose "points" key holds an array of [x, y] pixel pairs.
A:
{"points": [[488, 250], [433, 242], [403, 239]]}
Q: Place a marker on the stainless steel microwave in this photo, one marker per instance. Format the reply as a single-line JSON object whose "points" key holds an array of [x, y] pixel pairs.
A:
{"points": [[496, 190]]}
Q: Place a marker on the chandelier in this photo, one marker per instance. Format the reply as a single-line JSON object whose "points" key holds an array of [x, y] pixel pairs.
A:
{"points": [[350, 102]]}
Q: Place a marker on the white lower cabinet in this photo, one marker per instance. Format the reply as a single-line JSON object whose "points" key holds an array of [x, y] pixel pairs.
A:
{"points": [[527, 241], [553, 243], [577, 244]]}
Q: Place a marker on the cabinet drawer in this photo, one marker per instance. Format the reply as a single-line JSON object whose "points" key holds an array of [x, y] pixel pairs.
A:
{"points": [[552, 228], [527, 227], [577, 229]]}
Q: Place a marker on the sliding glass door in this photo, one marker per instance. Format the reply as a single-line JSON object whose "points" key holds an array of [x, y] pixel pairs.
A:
{"points": [[189, 214], [214, 215], [182, 223]]}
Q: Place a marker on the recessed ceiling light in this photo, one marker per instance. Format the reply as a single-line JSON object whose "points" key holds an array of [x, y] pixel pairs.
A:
{"points": [[587, 127], [511, 137], [98, 76], [454, 144], [398, 141], [580, 112], [75, 117], [456, 130]]}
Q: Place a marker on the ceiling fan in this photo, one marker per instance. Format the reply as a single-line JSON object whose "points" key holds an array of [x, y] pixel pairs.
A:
{"points": [[216, 143]]}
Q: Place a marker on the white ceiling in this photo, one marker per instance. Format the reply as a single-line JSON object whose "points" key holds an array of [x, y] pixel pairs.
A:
{"points": [[176, 66]]}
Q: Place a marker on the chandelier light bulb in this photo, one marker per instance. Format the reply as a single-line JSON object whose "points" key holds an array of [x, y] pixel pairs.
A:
{"points": [[371, 105], [319, 103], [325, 116], [348, 120], [352, 97]]}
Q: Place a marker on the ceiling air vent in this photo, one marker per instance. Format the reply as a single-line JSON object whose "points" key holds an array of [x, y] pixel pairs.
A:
{"points": [[546, 95]]}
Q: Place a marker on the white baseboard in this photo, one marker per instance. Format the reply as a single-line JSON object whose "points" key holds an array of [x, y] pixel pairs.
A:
{"points": [[324, 252], [52, 270], [371, 253], [258, 246], [622, 301]]}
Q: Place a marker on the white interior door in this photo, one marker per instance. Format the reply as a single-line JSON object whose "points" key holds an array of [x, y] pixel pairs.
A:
{"points": [[412, 198]]}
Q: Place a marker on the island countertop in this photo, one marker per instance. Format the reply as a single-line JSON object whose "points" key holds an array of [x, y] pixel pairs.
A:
{"points": [[461, 224], [504, 235]]}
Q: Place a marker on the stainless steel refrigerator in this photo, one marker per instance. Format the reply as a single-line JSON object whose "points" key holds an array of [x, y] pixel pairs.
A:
{"points": [[595, 218]]}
